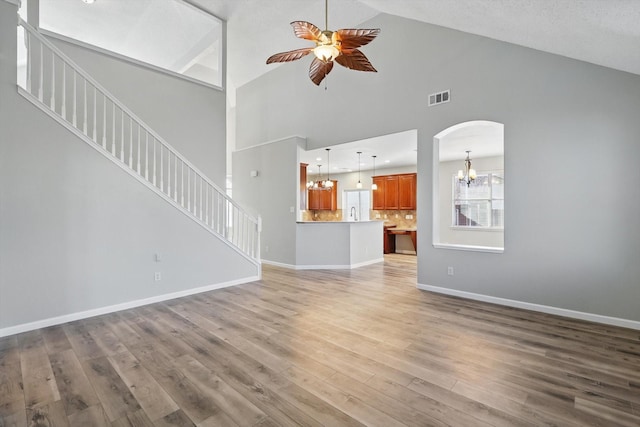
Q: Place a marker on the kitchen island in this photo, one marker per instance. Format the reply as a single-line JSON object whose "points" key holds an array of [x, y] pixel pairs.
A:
{"points": [[338, 244]]}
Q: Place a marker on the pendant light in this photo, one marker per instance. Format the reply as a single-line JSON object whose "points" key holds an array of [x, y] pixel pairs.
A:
{"points": [[359, 184], [328, 183], [469, 174], [374, 186]]}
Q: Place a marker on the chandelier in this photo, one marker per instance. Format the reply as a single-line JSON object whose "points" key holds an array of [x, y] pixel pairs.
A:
{"points": [[319, 183], [469, 174]]}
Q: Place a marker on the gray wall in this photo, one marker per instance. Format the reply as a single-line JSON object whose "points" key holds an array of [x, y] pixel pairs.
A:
{"points": [[76, 232], [189, 116], [571, 149], [272, 194]]}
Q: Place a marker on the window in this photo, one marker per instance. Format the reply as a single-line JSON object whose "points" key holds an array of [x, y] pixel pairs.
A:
{"points": [[479, 204], [170, 35]]}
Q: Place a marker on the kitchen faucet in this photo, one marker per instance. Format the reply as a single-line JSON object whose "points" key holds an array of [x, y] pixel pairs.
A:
{"points": [[353, 213]]}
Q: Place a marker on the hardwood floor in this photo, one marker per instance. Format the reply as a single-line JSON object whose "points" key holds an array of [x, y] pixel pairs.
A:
{"points": [[311, 348]]}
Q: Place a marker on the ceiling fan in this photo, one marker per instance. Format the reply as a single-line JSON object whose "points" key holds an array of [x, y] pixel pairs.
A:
{"points": [[340, 46]]}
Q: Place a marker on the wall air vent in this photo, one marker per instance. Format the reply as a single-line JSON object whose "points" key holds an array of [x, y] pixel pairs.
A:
{"points": [[439, 97]]}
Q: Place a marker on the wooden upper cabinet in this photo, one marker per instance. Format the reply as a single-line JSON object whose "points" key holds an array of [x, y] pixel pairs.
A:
{"points": [[407, 191], [378, 195], [323, 199], [395, 192], [391, 191]]}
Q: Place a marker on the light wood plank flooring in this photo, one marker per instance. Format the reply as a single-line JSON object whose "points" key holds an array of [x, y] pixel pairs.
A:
{"points": [[333, 348]]}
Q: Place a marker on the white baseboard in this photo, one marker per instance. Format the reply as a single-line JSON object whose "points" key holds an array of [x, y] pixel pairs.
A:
{"points": [[607, 320], [323, 267], [25, 327]]}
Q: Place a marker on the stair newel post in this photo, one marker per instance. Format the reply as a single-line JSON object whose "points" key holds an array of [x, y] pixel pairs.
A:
{"points": [[113, 130], [53, 81], [64, 91], [104, 121], [84, 112], [95, 115]]}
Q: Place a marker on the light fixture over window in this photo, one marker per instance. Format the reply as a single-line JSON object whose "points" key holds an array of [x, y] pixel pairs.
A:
{"points": [[374, 186], [359, 184], [468, 174], [89, 1]]}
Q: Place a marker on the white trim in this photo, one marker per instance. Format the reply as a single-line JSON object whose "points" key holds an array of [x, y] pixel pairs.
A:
{"points": [[134, 61], [489, 249], [598, 318], [270, 142], [134, 174], [14, 2], [25, 327], [323, 267]]}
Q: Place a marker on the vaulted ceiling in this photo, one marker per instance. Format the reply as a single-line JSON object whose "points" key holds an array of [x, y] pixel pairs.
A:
{"points": [[603, 32]]}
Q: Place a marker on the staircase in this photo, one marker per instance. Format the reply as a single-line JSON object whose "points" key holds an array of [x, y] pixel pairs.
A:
{"points": [[60, 88]]}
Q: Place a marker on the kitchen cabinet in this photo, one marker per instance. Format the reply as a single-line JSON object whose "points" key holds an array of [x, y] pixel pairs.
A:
{"points": [[391, 192], [323, 199], [395, 192], [378, 195], [407, 191]]}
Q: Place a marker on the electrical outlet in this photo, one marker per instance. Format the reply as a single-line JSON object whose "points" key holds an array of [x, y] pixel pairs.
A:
{"points": [[292, 209], [158, 258], [266, 248], [408, 216], [158, 276], [450, 271], [377, 216]]}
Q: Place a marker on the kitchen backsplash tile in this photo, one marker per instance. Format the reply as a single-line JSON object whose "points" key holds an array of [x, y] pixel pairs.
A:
{"points": [[402, 219]]}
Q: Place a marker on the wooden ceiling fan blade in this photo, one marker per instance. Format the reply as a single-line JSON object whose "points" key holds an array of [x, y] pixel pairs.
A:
{"points": [[289, 56], [319, 70], [355, 60], [306, 30], [355, 37]]}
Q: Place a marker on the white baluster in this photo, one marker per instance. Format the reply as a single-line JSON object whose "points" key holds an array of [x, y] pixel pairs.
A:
{"points": [[146, 157], [53, 81], [138, 148], [168, 173], [29, 61], [64, 91], [75, 103], [175, 178], [161, 169], [95, 111], [122, 136], [113, 129], [154, 161], [206, 205], [41, 76], [131, 142], [189, 190], [104, 121], [182, 185], [84, 125], [200, 204]]}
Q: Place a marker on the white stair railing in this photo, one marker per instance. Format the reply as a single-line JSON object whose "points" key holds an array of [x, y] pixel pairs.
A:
{"points": [[54, 83]]}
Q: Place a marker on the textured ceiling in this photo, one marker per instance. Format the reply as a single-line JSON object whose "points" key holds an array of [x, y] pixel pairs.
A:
{"points": [[603, 32]]}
